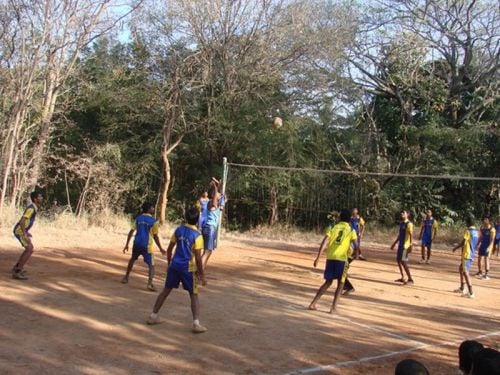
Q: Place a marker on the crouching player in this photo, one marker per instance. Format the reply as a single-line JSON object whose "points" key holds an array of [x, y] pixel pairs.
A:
{"points": [[468, 245], [337, 243], [185, 267]]}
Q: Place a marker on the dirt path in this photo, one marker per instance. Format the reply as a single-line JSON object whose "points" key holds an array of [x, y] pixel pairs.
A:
{"points": [[74, 317]]}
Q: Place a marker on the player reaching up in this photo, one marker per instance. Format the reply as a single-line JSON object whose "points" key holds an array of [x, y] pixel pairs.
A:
{"points": [[486, 240], [428, 232], [147, 228], [209, 229], [337, 242], [185, 267], [405, 246], [468, 245], [21, 232]]}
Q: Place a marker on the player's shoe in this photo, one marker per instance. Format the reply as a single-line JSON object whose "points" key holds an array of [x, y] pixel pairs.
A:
{"points": [[410, 281], [349, 291], [428, 261], [124, 280], [422, 261], [151, 287], [198, 328], [361, 257], [153, 320], [479, 274], [401, 280], [461, 291], [19, 275], [469, 295], [485, 277]]}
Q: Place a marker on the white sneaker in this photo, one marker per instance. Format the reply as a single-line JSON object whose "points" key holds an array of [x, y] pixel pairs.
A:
{"points": [[154, 320], [198, 328], [428, 261], [485, 277], [469, 295], [422, 261]]}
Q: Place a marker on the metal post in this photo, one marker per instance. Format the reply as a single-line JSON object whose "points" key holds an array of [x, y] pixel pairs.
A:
{"points": [[224, 180]]}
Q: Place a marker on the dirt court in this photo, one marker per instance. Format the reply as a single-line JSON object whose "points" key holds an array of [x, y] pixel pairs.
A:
{"points": [[73, 316]]}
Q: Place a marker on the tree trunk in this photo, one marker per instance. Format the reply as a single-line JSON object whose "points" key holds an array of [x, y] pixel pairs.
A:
{"points": [[273, 217], [165, 184]]}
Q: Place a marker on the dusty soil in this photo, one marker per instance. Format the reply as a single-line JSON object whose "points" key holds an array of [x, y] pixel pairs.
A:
{"points": [[74, 317]]}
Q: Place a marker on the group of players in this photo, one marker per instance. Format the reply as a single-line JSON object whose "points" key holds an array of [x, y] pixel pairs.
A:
{"points": [[341, 242], [342, 245]]}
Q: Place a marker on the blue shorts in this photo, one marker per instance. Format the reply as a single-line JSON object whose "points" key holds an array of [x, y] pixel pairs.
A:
{"points": [[427, 242], [497, 241], [187, 278], [209, 237], [466, 264], [146, 255], [402, 255], [484, 252], [336, 270]]}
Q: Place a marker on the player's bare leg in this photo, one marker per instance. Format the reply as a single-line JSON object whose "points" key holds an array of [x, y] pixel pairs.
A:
{"points": [[206, 255], [151, 275], [195, 310], [338, 291], [423, 252], [479, 258], [25, 256], [130, 265], [322, 289], [407, 270], [402, 279], [153, 318]]}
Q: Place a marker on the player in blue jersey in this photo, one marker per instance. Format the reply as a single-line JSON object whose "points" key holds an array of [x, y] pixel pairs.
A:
{"points": [[358, 224], [468, 245], [202, 205], [486, 241], [497, 236], [209, 230], [147, 228], [185, 266], [23, 235], [405, 239], [428, 232]]}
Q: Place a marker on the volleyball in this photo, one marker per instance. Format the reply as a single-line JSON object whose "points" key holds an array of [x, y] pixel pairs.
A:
{"points": [[277, 122]]}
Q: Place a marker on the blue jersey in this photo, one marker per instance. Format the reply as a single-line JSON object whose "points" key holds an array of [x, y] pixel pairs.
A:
{"points": [[356, 222], [203, 212], [497, 230], [486, 237], [146, 226], [213, 217], [428, 225], [187, 239]]}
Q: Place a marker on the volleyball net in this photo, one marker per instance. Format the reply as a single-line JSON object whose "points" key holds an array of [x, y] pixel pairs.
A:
{"points": [[308, 197]]}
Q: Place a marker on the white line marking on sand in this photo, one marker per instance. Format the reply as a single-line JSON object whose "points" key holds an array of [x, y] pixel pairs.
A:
{"points": [[339, 365]]}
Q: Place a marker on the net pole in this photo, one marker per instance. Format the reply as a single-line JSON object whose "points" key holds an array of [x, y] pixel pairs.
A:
{"points": [[223, 192]]}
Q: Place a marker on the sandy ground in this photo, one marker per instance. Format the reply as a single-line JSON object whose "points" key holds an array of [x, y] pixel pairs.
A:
{"points": [[74, 317]]}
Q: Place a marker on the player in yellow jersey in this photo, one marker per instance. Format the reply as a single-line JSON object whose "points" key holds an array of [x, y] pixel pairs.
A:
{"points": [[405, 238], [23, 235], [337, 243]]}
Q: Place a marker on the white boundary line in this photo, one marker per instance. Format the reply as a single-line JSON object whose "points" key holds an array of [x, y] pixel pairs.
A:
{"points": [[339, 365]]}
